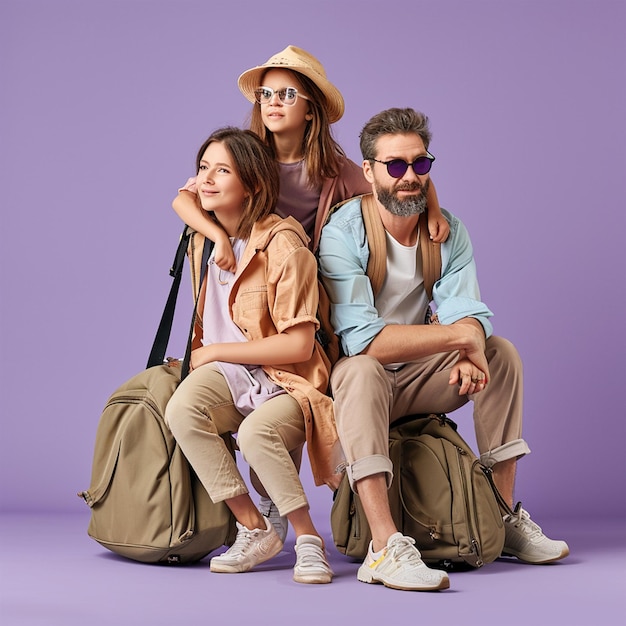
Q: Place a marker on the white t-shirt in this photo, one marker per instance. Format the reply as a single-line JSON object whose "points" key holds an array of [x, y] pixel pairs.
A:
{"points": [[249, 385], [403, 299]]}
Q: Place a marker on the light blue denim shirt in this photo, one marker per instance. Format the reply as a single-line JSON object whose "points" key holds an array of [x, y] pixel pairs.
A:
{"points": [[343, 256]]}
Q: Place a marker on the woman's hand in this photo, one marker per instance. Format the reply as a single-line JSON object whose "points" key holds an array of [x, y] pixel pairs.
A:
{"points": [[202, 356]]}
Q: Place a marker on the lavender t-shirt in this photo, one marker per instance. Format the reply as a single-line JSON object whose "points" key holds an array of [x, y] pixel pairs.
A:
{"points": [[249, 385]]}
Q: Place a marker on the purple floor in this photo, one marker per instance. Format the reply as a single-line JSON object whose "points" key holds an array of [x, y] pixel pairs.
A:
{"points": [[53, 574]]}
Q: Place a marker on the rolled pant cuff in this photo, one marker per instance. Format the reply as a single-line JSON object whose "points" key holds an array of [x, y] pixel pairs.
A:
{"points": [[369, 466], [510, 450], [227, 495], [294, 504]]}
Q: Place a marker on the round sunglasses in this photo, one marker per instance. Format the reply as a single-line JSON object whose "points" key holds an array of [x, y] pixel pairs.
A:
{"points": [[287, 95], [398, 167]]}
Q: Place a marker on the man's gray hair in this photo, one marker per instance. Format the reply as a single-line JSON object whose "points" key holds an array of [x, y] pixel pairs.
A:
{"points": [[393, 122]]}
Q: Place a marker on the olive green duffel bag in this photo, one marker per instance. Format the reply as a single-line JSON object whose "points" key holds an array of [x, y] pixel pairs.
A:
{"points": [[146, 502], [441, 496]]}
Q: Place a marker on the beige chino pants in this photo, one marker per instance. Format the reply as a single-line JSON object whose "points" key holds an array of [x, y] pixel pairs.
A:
{"points": [[368, 398], [202, 409]]}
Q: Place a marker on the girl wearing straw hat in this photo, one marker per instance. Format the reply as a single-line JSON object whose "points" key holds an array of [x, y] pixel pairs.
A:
{"points": [[294, 106]]}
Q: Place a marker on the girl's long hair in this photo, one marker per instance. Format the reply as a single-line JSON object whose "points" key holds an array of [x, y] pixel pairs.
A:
{"points": [[257, 170], [321, 152]]}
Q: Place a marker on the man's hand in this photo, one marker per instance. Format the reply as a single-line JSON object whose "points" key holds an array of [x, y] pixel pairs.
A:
{"points": [[469, 377], [474, 347]]}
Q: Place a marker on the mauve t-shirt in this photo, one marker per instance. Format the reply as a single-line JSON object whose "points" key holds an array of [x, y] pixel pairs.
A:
{"points": [[296, 197]]}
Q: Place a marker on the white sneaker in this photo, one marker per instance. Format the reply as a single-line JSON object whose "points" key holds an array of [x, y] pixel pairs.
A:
{"points": [[400, 566], [280, 523], [311, 564], [251, 547], [525, 540]]}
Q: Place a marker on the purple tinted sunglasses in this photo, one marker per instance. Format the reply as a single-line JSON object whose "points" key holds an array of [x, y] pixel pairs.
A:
{"points": [[398, 167]]}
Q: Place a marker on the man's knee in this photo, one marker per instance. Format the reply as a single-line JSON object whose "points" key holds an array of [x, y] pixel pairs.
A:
{"points": [[502, 352]]}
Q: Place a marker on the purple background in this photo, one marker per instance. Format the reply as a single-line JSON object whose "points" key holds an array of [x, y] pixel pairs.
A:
{"points": [[104, 104]]}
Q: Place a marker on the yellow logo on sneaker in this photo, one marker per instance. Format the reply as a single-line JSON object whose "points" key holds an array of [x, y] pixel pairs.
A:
{"points": [[379, 560]]}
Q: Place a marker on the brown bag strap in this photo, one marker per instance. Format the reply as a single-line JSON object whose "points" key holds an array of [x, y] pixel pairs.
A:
{"points": [[375, 232], [377, 262], [431, 256]]}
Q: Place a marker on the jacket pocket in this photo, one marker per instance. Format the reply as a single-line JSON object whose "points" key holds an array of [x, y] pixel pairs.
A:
{"points": [[251, 312]]}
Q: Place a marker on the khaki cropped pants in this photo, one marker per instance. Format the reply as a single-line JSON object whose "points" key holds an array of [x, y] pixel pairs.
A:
{"points": [[202, 409], [368, 398]]}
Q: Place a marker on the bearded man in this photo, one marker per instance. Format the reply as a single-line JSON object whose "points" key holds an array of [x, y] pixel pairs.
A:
{"points": [[397, 362]]}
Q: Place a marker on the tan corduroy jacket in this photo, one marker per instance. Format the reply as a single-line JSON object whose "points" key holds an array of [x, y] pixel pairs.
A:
{"points": [[275, 288]]}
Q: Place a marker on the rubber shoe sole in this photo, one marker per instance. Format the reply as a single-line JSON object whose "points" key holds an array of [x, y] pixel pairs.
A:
{"points": [[316, 579], [240, 568], [530, 561], [367, 575], [261, 546]]}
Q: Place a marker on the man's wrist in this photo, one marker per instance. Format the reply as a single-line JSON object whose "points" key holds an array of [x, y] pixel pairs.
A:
{"points": [[469, 337]]}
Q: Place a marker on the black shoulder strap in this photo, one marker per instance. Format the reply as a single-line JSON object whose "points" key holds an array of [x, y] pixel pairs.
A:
{"points": [[157, 354], [159, 346], [206, 253]]}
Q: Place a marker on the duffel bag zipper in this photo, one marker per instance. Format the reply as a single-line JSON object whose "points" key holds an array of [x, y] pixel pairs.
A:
{"points": [[468, 513]]}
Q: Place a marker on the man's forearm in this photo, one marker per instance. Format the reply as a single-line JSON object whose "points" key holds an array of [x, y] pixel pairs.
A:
{"points": [[398, 343]]}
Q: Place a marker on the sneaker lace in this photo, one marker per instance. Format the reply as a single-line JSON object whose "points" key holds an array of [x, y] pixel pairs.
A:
{"points": [[242, 542], [403, 550], [526, 525], [309, 555]]}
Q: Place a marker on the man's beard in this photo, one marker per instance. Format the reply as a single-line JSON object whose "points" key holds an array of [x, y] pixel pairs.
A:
{"points": [[405, 207]]}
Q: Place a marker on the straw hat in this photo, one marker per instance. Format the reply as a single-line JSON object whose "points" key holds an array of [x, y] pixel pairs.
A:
{"points": [[300, 61]]}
